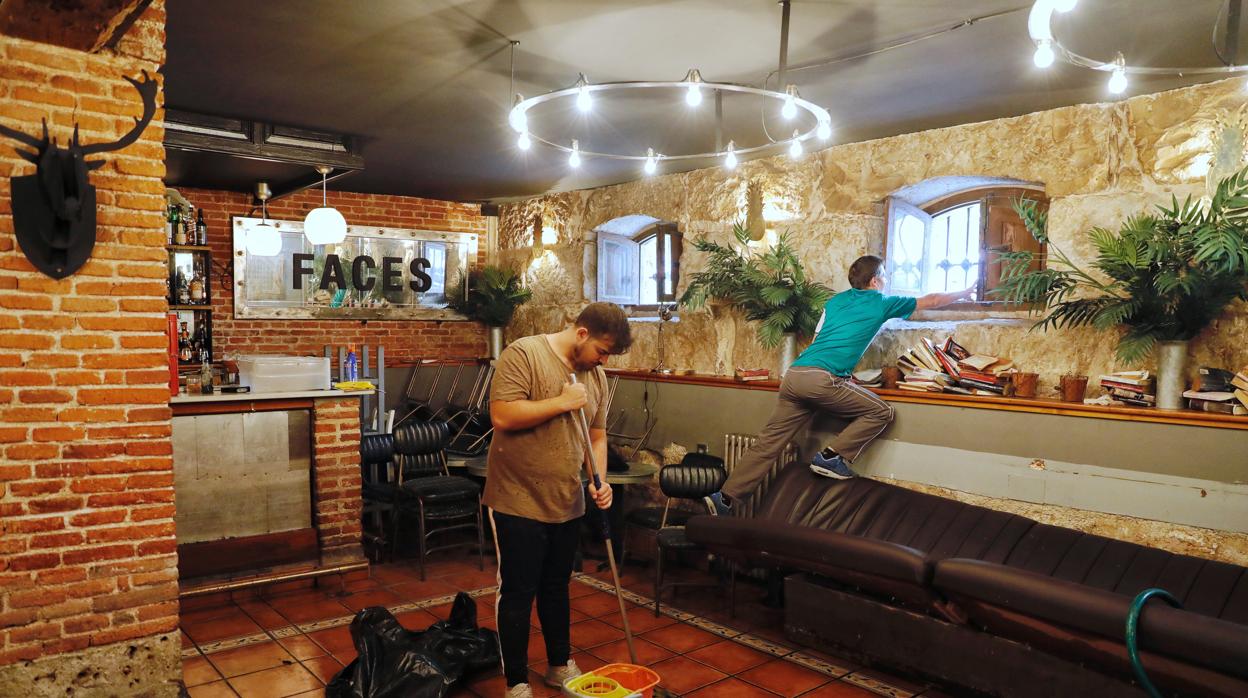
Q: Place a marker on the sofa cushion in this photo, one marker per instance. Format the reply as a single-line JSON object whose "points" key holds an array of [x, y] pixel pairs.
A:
{"points": [[812, 549], [938, 526], [1194, 637]]}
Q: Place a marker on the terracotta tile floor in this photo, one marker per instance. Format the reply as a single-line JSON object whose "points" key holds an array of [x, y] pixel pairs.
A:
{"points": [[291, 640]]}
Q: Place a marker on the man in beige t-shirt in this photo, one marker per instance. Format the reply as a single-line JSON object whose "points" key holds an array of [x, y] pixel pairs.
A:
{"points": [[534, 488]]}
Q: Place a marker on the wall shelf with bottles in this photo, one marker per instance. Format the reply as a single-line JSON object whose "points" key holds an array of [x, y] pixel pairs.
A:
{"points": [[189, 282]]}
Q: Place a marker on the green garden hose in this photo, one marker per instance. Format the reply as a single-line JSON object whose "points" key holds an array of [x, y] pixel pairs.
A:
{"points": [[1133, 621]]}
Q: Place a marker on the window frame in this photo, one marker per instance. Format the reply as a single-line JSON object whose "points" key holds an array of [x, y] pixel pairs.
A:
{"points": [[662, 232], [984, 196]]}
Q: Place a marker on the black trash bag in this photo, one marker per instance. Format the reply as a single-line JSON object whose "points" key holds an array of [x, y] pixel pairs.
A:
{"points": [[394, 662]]}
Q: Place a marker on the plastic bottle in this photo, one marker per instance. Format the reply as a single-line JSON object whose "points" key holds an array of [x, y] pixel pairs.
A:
{"points": [[353, 366]]}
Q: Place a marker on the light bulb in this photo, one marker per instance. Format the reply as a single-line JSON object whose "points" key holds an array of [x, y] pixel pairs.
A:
{"points": [[1118, 81], [795, 148], [651, 164], [583, 101], [730, 160], [1064, 5], [574, 159], [523, 143], [519, 121], [694, 96], [263, 240], [790, 108], [1044, 55], [824, 131]]}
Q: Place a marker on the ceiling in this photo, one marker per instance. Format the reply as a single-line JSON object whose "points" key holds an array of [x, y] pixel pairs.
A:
{"points": [[423, 86]]}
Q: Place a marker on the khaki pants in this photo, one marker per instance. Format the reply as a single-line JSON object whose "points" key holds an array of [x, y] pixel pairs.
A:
{"points": [[805, 391]]}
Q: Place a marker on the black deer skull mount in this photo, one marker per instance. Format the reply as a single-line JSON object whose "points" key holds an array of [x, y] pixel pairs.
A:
{"points": [[54, 209]]}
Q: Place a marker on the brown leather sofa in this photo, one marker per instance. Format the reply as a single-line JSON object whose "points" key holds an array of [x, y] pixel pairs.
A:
{"points": [[995, 601]]}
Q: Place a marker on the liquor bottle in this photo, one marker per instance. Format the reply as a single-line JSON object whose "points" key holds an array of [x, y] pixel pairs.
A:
{"points": [[201, 229], [171, 218], [197, 288], [205, 375], [184, 293], [184, 344], [201, 341], [175, 223], [188, 225]]}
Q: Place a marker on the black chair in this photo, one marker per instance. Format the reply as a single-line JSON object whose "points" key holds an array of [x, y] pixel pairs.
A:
{"points": [[376, 459], [696, 477], [426, 491]]}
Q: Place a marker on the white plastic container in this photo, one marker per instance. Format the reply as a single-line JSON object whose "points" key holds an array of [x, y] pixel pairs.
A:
{"points": [[274, 374]]}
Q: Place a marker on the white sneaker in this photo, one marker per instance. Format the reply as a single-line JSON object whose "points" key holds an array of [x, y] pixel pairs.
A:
{"points": [[557, 675], [520, 690]]}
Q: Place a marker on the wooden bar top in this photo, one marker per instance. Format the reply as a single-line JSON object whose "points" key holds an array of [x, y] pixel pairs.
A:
{"points": [[983, 402]]}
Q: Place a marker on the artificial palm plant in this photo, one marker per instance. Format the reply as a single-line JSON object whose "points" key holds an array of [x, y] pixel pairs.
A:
{"points": [[770, 287], [1169, 274], [492, 296]]}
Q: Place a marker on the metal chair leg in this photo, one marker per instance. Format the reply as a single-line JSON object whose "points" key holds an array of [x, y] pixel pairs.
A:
{"points": [[480, 538], [732, 590], [421, 531], [658, 580]]}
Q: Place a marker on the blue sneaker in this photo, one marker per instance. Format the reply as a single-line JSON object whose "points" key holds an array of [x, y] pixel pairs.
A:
{"points": [[834, 467], [721, 508]]}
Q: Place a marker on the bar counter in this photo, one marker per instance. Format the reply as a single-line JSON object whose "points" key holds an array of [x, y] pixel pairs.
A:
{"points": [[266, 482]]}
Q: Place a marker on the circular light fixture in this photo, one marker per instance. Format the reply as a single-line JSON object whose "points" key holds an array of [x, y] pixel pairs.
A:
{"points": [[1049, 49], [524, 142], [324, 225], [820, 122]]}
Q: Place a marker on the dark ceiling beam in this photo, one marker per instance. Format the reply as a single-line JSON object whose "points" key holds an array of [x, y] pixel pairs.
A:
{"points": [[84, 25], [259, 141], [298, 184]]}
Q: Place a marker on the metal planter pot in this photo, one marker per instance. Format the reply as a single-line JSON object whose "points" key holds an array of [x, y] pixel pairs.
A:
{"points": [[1171, 374]]}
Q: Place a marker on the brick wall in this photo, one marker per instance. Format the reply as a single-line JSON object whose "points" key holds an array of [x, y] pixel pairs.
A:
{"points": [[336, 498], [87, 555], [405, 340]]}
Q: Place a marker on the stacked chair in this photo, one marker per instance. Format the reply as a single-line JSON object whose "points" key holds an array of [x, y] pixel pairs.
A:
{"points": [[421, 488], [457, 393]]}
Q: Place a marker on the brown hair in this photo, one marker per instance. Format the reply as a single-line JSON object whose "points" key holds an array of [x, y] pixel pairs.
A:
{"points": [[864, 269], [607, 321]]}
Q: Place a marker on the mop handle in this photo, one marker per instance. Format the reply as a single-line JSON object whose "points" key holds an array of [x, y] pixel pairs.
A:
{"points": [[590, 464]]}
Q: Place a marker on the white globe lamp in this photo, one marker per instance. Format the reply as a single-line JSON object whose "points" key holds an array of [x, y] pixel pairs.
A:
{"points": [[324, 225]]}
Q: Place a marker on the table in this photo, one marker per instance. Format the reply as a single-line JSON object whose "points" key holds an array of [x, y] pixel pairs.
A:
{"points": [[637, 472]]}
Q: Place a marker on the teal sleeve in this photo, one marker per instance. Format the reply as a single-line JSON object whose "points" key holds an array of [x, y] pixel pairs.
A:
{"points": [[899, 306]]}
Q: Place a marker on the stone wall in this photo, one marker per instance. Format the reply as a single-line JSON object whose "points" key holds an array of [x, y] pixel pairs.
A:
{"points": [[1099, 163], [88, 570]]}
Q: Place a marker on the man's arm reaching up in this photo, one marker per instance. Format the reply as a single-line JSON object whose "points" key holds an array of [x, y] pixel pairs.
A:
{"points": [[940, 300]]}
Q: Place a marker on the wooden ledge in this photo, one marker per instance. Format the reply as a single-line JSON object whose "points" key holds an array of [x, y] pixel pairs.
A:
{"points": [[981, 402]]}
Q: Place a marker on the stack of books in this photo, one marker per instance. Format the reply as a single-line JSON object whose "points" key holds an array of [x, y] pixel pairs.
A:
{"points": [[1131, 387], [752, 374], [950, 367], [1220, 391]]}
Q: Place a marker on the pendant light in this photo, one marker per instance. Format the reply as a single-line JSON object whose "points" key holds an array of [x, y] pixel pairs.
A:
{"points": [[324, 225], [263, 240]]}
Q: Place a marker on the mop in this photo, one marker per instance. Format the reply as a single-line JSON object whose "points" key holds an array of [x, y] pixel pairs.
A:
{"points": [[583, 425]]}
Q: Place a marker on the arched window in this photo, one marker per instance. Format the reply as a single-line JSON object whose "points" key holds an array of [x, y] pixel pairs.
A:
{"points": [[950, 240], [638, 261]]}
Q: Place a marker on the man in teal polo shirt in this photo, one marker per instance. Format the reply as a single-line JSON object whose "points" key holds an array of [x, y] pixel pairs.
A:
{"points": [[819, 381]]}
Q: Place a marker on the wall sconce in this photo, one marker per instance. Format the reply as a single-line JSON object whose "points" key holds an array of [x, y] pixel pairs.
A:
{"points": [[550, 235]]}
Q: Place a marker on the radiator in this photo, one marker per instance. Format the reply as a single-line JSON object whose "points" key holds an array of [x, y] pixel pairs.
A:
{"points": [[735, 446]]}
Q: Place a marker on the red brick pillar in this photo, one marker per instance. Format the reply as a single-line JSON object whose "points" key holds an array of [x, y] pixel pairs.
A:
{"points": [[336, 494]]}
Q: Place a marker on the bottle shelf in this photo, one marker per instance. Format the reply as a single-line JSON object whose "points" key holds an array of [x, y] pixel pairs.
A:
{"points": [[189, 248], [198, 306]]}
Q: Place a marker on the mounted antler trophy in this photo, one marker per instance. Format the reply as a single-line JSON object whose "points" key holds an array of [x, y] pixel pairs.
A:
{"points": [[54, 209]]}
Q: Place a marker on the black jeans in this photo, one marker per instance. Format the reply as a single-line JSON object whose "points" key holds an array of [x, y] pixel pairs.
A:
{"points": [[534, 560]]}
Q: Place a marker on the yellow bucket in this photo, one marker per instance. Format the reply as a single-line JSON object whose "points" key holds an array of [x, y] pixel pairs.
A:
{"points": [[592, 686]]}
